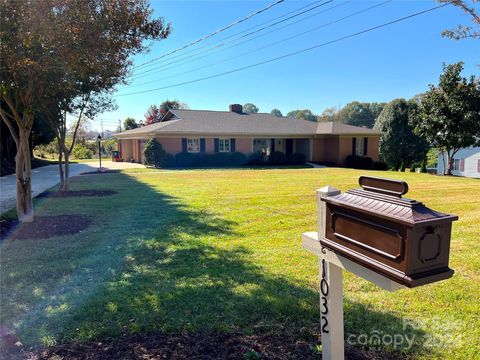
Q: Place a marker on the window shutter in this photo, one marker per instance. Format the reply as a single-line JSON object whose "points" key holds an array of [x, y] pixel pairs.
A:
{"points": [[289, 146], [184, 144], [232, 145], [365, 146], [272, 145], [462, 164], [202, 145], [354, 146], [215, 145], [478, 166]]}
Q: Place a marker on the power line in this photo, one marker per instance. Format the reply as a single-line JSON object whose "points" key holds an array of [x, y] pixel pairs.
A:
{"points": [[268, 45], [215, 32], [220, 44], [292, 53], [214, 48]]}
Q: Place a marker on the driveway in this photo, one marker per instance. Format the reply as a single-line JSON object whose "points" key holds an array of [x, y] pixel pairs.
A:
{"points": [[45, 177]]}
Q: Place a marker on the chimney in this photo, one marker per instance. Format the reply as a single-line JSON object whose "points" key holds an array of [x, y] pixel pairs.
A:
{"points": [[236, 108]]}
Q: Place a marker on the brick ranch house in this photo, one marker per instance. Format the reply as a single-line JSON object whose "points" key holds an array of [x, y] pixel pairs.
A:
{"points": [[205, 131]]}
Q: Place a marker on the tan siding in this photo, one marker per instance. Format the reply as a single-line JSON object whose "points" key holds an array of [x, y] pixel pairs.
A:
{"points": [[243, 145], [372, 150], [318, 149], [345, 148], [209, 145], [172, 145], [331, 149]]}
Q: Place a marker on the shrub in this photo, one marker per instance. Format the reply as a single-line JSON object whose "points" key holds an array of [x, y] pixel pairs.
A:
{"points": [[423, 168], [296, 158], [412, 167], [186, 159], [169, 160], [81, 152], [402, 167], [237, 159], [277, 158], [379, 165], [256, 158], [153, 154], [359, 162]]}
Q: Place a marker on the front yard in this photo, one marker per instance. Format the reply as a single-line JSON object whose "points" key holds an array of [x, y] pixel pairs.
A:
{"points": [[220, 250]]}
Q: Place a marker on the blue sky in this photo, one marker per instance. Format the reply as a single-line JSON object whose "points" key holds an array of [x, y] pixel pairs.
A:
{"points": [[395, 61]]}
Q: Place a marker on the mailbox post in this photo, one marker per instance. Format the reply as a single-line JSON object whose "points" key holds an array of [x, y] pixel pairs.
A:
{"points": [[407, 249]]}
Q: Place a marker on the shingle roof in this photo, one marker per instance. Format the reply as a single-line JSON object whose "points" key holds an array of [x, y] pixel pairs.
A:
{"points": [[206, 122]]}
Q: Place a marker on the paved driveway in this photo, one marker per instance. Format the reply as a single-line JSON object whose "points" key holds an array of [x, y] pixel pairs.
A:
{"points": [[45, 177]]}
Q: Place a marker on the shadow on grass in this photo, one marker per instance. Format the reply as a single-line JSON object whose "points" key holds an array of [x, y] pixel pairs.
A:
{"points": [[153, 263]]}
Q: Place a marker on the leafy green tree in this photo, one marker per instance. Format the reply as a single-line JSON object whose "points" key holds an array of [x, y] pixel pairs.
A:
{"points": [[129, 123], [303, 114], [171, 104], [64, 57], [329, 114], [398, 143], [276, 112], [360, 114], [250, 108], [155, 113], [449, 114], [153, 154]]}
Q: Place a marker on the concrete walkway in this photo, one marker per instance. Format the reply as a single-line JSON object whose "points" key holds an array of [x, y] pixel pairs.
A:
{"points": [[45, 177]]}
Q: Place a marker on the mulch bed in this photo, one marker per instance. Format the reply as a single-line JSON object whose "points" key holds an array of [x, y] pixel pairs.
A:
{"points": [[43, 227], [101, 172], [74, 193], [191, 346]]}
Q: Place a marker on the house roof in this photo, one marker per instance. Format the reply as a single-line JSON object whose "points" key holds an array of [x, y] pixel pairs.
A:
{"points": [[218, 123]]}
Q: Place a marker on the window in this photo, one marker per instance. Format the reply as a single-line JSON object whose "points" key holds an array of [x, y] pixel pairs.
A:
{"points": [[224, 145], [358, 146], [456, 164], [262, 146], [193, 145]]}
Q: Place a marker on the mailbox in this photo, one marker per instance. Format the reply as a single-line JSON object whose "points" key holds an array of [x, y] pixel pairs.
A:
{"points": [[397, 237]]}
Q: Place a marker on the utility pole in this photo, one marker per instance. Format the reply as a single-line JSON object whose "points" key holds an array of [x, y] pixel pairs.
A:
{"points": [[101, 124], [119, 125]]}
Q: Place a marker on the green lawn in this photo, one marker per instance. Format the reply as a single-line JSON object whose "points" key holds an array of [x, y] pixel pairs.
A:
{"points": [[221, 250]]}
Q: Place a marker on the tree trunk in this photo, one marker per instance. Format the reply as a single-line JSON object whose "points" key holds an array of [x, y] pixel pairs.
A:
{"points": [[66, 181], [444, 164], [60, 166], [24, 181]]}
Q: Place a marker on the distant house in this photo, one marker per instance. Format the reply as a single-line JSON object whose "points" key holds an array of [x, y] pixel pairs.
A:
{"points": [[466, 162], [205, 131]]}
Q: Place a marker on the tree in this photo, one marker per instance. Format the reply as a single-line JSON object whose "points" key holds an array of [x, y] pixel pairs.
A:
{"points": [[398, 143], [276, 112], [64, 57], [107, 35], [360, 114], [130, 123], [155, 113], [462, 31], [250, 108], [303, 114], [27, 67], [152, 115], [171, 104], [329, 114], [153, 154], [449, 114]]}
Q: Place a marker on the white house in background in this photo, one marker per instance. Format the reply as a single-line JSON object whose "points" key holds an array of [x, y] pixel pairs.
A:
{"points": [[466, 162]]}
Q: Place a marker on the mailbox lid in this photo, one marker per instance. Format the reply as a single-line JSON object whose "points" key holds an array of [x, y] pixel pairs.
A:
{"points": [[405, 211]]}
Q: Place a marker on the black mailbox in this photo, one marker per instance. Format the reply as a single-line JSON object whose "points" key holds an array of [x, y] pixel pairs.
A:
{"points": [[397, 237]]}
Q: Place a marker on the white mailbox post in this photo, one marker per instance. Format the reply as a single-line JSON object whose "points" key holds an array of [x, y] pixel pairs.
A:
{"points": [[331, 266]]}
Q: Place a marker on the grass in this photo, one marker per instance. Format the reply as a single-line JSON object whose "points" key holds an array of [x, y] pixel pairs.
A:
{"points": [[202, 250]]}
